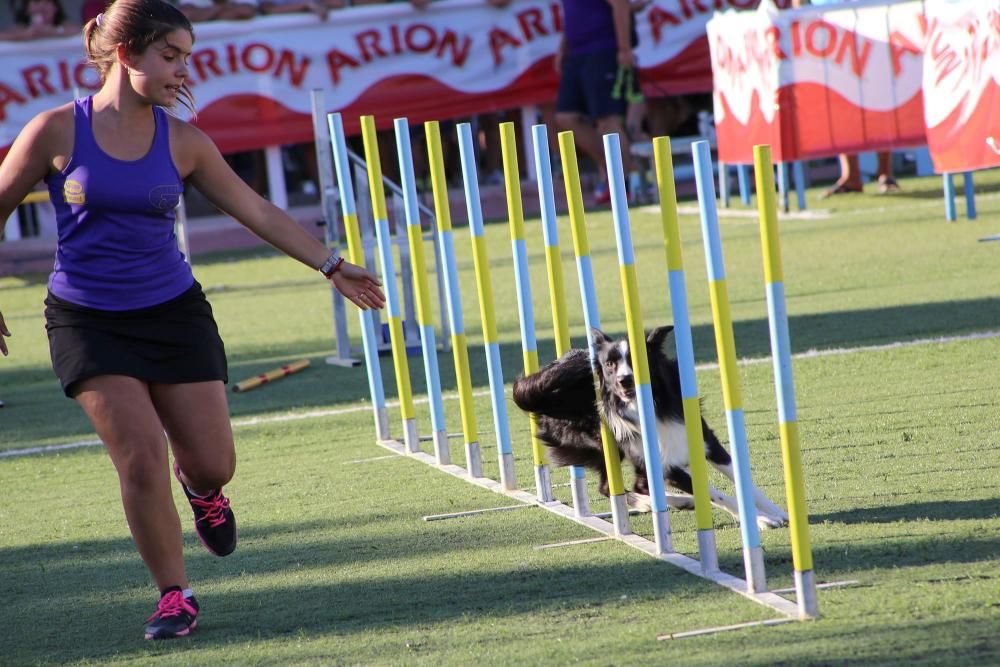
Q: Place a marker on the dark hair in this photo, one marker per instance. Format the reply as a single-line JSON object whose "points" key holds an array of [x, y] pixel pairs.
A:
{"points": [[21, 16], [136, 24]]}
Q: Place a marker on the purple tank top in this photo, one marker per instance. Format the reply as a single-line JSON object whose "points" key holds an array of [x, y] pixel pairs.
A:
{"points": [[588, 26], [116, 247]]}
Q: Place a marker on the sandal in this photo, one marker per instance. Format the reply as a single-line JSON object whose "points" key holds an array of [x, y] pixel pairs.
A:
{"points": [[887, 185], [840, 189]]}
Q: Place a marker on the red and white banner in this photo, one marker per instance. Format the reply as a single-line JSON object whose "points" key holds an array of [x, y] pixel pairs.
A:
{"points": [[818, 81], [252, 79], [962, 84]]}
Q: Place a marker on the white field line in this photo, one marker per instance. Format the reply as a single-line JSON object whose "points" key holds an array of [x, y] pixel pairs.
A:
{"points": [[332, 412]]}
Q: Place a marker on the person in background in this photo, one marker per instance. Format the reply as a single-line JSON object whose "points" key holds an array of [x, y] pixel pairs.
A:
{"points": [[318, 7], [594, 57], [132, 337], [38, 19], [218, 10], [850, 170]]}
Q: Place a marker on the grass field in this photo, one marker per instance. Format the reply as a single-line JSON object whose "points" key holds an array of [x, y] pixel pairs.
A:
{"points": [[894, 318]]}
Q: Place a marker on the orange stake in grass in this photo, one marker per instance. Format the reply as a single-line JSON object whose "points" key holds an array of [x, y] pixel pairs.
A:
{"points": [[269, 376]]}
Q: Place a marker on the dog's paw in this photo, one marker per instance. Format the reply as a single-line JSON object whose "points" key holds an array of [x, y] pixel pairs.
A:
{"points": [[638, 501], [766, 522]]}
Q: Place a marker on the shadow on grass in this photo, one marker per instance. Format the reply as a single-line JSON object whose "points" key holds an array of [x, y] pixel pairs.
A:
{"points": [[325, 386], [824, 331], [941, 510], [57, 590]]}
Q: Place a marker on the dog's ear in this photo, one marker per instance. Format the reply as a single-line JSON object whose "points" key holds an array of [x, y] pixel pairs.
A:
{"points": [[600, 338], [655, 338]]}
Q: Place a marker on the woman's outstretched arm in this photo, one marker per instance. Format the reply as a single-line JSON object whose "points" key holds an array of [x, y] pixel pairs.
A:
{"points": [[213, 177]]}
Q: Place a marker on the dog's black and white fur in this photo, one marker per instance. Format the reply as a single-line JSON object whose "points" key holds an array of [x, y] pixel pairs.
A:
{"points": [[561, 395]]}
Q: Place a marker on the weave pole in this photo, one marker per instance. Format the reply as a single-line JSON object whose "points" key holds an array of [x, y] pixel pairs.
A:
{"points": [[592, 320], [428, 343], [641, 543], [484, 288], [453, 299], [396, 339], [324, 169], [663, 163], [557, 292], [356, 254], [753, 555], [529, 345], [637, 344], [777, 315]]}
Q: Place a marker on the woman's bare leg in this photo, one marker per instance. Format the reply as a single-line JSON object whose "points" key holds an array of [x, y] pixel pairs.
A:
{"points": [[196, 419], [122, 412]]}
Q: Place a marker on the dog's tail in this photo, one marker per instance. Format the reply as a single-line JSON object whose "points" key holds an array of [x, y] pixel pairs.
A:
{"points": [[559, 388]]}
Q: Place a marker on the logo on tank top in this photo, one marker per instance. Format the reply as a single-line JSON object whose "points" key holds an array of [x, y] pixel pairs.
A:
{"points": [[165, 197], [73, 192]]}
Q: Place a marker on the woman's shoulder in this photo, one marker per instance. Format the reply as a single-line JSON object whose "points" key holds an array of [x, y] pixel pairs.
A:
{"points": [[53, 125], [186, 133], [57, 117]]}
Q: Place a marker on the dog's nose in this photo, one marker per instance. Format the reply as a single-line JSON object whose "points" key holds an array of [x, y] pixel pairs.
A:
{"points": [[627, 381]]}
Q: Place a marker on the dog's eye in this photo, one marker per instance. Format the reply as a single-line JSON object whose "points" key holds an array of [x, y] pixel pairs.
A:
{"points": [[609, 364]]}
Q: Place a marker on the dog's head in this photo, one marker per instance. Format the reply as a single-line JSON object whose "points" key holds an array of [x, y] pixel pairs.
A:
{"points": [[613, 359]]}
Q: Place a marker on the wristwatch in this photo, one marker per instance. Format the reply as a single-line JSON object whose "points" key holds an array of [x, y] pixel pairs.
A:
{"points": [[331, 265]]}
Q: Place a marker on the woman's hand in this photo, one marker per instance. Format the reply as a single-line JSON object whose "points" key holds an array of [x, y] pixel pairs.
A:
{"points": [[357, 285], [4, 331]]}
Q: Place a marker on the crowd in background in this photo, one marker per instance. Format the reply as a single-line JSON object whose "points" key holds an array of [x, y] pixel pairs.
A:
{"points": [[47, 18], [659, 115]]}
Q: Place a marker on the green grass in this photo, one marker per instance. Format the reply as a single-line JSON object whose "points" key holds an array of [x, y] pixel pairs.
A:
{"points": [[335, 565]]}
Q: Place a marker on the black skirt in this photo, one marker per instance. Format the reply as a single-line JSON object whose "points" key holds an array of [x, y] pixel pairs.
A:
{"points": [[173, 342]]}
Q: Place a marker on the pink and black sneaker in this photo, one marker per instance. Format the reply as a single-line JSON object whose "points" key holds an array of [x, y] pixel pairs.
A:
{"points": [[175, 616], [213, 519]]}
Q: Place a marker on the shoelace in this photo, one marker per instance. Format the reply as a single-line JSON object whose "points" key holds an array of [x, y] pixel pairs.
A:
{"points": [[171, 604], [214, 507]]}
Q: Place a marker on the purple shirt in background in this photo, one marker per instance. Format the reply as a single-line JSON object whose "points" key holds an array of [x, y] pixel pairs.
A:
{"points": [[588, 26], [116, 247]]}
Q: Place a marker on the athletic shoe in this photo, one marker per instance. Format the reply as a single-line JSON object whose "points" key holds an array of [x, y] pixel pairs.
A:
{"points": [[175, 616], [213, 519]]}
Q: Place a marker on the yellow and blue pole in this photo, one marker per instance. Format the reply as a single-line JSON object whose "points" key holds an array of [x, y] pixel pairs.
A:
{"points": [[557, 292], [637, 343], [484, 288], [411, 439], [777, 315], [415, 237], [663, 163], [753, 555], [453, 297], [356, 254], [522, 281], [592, 320]]}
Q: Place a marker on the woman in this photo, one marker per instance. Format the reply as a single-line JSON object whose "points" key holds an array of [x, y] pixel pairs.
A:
{"points": [[131, 334]]}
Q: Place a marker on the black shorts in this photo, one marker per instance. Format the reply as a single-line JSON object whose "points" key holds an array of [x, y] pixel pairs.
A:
{"points": [[587, 85], [173, 342]]}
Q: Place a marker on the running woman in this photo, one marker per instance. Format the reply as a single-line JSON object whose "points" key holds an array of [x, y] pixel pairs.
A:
{"points": [[131, 335]]}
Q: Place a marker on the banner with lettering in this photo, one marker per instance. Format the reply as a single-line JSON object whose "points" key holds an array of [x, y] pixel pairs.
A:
{"points": [[818, 81], [962, 84], [252, 79]]}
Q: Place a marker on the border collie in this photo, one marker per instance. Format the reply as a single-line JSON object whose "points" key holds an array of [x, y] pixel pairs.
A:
{"points": [[561, 395]]}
